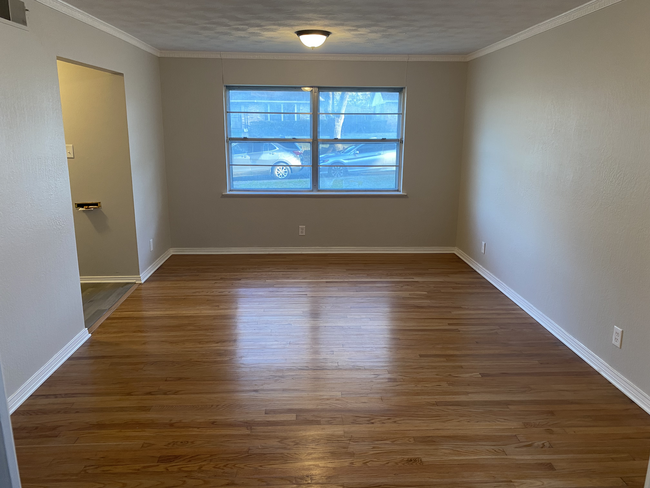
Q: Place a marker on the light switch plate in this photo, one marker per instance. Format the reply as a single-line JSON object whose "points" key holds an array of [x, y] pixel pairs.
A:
{"points": [[69, 150]]}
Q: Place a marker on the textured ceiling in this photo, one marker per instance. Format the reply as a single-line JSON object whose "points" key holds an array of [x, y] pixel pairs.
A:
{"points": [[358, 26]]}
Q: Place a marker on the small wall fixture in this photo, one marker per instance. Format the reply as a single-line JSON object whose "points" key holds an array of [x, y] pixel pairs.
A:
{"points": [[313, 37], [86, 206]]}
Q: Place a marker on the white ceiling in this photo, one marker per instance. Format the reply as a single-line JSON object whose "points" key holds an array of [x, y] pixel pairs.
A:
{"points": [[357, 26]]}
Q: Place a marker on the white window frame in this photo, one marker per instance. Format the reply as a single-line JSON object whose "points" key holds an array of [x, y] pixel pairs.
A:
{"points": [[315, 141]]}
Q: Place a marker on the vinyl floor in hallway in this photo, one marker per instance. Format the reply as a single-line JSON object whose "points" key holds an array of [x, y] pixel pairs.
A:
{"points": [[99, 298], [326, 371]]}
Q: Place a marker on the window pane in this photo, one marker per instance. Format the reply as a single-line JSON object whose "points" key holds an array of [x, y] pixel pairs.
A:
{"points": [[277, 114], [272, 126], [344, 126], [358, 178], [274, 165], [368, 166], [285, 101], [359, 102], [366, 154], [263, 178]]}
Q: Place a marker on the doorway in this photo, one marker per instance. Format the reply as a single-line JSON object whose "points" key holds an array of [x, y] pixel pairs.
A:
{"points": [[93, 103]]}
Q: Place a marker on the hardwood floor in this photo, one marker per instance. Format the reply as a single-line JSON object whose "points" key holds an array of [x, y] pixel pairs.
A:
{"points": [[329, 371]]}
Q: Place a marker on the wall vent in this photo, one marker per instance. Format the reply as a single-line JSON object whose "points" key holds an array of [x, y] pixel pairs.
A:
{"points": [[14, 11]]}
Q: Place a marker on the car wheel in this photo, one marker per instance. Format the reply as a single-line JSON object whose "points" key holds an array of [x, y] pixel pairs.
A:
{"points": [[281, 171], [337, 171]]}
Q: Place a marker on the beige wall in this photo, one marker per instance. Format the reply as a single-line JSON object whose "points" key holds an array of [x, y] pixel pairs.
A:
{"points": [[40, 310], [556, 177], [196, 166], [93, 103]]}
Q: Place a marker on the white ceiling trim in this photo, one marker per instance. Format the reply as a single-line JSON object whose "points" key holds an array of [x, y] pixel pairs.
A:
{"points": [[82, 16], [314, 57], [190, 54], [562, 19]]}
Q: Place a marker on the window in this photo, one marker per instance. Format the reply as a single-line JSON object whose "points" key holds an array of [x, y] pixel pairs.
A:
{"points": [[314, 140]]}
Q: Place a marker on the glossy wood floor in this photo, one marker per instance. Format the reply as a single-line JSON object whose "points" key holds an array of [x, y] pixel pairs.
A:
{"points": [[328, 371]]}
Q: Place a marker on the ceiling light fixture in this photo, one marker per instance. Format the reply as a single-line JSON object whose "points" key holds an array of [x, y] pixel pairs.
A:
{"points": [[313, 37]]}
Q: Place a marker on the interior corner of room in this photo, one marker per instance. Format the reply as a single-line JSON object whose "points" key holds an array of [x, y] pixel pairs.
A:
{"points": [[528, 159]]}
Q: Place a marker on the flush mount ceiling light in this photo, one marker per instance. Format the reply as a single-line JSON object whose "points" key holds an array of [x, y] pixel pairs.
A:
{"points": [[313, 37]]}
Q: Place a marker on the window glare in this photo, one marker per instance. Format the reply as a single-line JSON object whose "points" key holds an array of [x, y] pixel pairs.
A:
{"points": [[351, 102], [272, 97], [346, 126], [269, 126]]}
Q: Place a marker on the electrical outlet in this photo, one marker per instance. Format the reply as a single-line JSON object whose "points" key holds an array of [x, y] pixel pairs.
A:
{"points": [[618, 337], [483, 246], [301, 230], [151, 245]]}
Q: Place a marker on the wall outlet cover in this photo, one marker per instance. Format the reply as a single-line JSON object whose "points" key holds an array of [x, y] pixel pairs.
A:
{"points": [[617, 339]]}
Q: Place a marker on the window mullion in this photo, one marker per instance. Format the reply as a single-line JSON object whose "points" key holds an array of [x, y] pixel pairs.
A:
{"points": [[315, 109]]}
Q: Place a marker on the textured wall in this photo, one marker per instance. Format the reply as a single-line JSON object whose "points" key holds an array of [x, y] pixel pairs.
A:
{"points": [[41, 310], [556, 177], [94, 120], [194, 137]]}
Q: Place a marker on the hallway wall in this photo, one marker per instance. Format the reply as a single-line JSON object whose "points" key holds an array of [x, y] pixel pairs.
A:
{"points": [[93, 103]]}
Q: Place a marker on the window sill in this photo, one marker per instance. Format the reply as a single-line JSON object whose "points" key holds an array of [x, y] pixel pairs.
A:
{"points": [[236, 194], [13, 24]]}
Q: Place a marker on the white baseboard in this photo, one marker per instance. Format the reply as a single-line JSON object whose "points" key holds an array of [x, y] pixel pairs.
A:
{"points": [[632, 391], [313, 250], [157, 264], [110, 279], [23, 393]]}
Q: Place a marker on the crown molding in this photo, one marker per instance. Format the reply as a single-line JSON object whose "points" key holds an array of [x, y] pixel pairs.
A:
{"points": [[547, 25], [438, 58], [88, 19], [314, 57], [190, 54]]}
